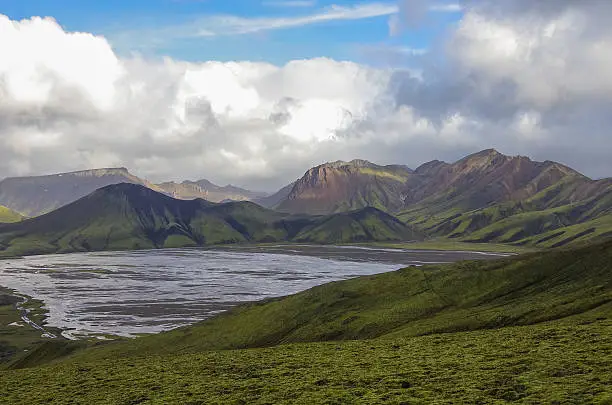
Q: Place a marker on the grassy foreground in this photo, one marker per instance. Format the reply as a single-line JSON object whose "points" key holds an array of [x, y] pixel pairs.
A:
{"points": [[531, 329], [560, 362], [16, 336]]}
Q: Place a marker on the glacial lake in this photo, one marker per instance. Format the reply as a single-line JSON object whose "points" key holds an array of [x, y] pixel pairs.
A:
{"points": [[130, 293]]}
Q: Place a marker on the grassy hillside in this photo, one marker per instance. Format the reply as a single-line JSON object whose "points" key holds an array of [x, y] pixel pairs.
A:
{"points": [[557, 212], [128, 216], [8, 216], [534, 329], [368, 224], [529, 289]]}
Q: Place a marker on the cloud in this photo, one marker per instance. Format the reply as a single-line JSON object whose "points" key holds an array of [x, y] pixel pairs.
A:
{"points": [[410, 13], [289, 3], [532, 81], [216, 25], [234, 25]]}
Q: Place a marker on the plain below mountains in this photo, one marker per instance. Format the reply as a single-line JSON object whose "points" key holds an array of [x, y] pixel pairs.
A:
{"points": [[130, 216]]}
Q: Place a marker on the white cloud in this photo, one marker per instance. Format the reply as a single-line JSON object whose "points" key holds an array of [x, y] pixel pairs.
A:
{"points": [[215, 25], [290, 3], [446, 7], [40, 55], [234, 25], [531, 83]]}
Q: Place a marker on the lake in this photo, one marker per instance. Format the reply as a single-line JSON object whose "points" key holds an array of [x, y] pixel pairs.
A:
{"points": [[130, 293]]}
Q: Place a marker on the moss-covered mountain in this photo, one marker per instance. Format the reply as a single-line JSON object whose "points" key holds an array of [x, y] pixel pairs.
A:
{"points": [[573, 209], [529, 329], [129, 216], [485, 197], [475, 181]]}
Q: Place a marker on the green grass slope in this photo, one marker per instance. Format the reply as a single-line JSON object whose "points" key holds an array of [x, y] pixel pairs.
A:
{"points": [[8, 216], [531, 221], [129, 216], [368, 224], [529, 289], [531, 329]]}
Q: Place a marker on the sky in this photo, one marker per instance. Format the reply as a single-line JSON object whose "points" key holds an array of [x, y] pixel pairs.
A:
{"points": [[254, 92]]}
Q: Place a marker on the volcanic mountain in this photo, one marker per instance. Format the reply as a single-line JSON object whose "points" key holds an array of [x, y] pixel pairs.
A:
{"points": [[466, 199], [344, 186], [129, 216]]}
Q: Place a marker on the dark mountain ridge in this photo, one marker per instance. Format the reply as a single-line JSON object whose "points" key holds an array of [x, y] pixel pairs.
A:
{"points": [[128, 216], [462, 198]]}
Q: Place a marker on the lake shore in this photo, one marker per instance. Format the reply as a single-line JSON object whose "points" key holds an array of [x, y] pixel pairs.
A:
{"points": [[22, 325]]}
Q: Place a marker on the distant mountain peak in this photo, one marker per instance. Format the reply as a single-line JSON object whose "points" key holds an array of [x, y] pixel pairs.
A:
{"points": [[353, 163], [107, 171], [429, 167], [205, 189], [36, 195], [486, 154]]}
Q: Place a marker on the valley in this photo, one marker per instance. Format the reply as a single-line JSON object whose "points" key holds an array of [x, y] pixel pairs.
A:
{"points": [[503, 291], [531, 328], [134, 293], [312, 202]]}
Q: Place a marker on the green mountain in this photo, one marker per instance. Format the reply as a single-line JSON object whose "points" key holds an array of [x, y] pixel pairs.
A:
{"points": [[9, 216], [484, 197], [129, 216], [37, 195], [575, 208], [529, 329]]}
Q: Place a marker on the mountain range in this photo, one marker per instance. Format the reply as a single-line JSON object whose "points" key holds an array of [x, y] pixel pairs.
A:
{"points": [[36, 195], [188, 190], [484, 197], [130, 216]]}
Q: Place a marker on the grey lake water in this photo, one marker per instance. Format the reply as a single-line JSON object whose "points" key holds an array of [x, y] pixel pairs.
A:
{"points": [[130, 293]]}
